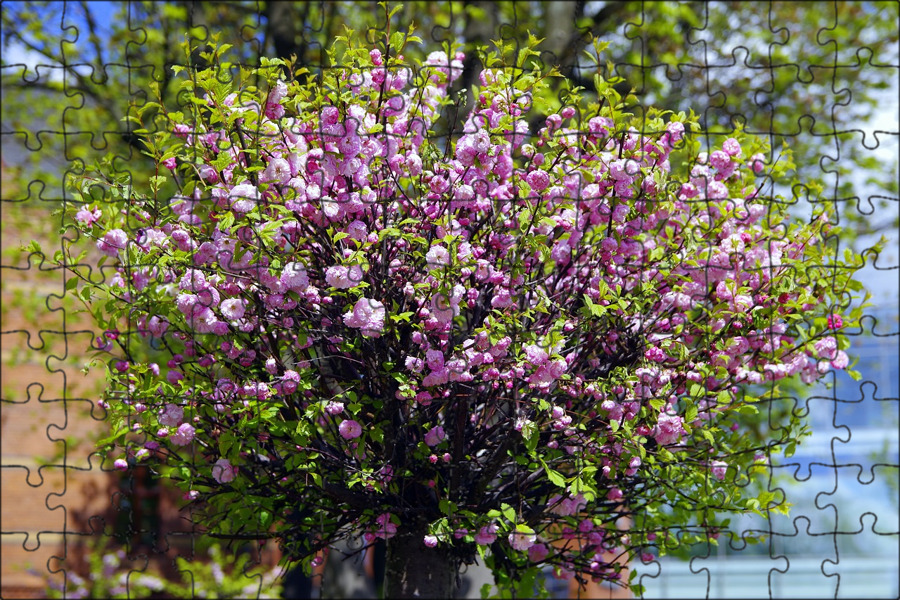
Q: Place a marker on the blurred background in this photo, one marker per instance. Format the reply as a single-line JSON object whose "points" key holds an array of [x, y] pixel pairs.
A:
{"points": [[824, 77]]}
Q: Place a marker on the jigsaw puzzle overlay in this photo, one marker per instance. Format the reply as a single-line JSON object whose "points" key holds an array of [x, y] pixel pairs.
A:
{"points": [[818, 79]]}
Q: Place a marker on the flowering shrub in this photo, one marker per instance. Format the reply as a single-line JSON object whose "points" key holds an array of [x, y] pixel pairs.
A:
{"points": [[538, 343]]}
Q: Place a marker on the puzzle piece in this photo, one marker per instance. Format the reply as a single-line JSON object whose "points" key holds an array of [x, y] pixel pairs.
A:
{"points": [[820, 77]]}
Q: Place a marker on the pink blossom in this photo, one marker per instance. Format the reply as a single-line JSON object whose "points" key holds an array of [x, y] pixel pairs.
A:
{"points": [[444, 307], [289, 381], [87, 216], [386, 529], [538, 552], [732, 147], [435, 436], [278, 170], [487, 535], [334, 408], [655, 354], [434, 359], [120, 464], [183, 435], [157, 326], [718, 469], [437, 256], [758, 163], [342, 277], [521, 541], [208, 174], [330, 115], [414, 364], [171, 416], [350, 429], [835, 321], [368, 316], [668, 430], [233, 308], [222, 471], [538, 180], [535, 354], [841, 360], [183, 240], [719, 160], [358, 231], [439, 377], [567, 506], [440, 59], [674, 131], [826, 348], [430, 541], [244, 197], [294, 277], [278, 91], [112, 242]]}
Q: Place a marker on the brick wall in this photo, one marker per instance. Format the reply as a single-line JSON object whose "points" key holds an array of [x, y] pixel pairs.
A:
{"points": [[48, 479]]}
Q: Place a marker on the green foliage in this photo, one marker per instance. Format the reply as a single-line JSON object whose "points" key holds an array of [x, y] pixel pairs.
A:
{"points": [[110, 573], [793, 49]]}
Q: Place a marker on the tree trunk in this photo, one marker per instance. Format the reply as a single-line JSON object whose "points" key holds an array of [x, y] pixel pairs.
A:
{"points": [[416, 571], [559, 27]]}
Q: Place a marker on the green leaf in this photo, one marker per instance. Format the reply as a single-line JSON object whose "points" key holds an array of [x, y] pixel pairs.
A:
{"points": [[522, 528], [226, 221], [509, 512], [790, 449], [556, 478], [265, 519], [397, 41], [690, 415], [446, 507], [402, 317], [377, 435]]}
